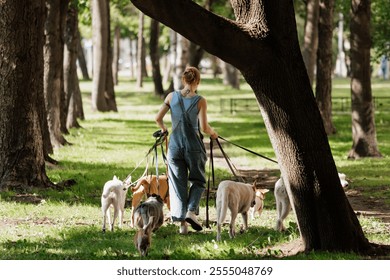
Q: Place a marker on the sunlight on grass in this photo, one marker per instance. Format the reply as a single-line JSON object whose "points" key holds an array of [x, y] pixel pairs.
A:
{"points": [[66, 224]]}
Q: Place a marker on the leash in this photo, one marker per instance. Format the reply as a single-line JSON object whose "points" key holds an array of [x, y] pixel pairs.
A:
{"points": [[160, 139], [246, 149], [211, 173]]}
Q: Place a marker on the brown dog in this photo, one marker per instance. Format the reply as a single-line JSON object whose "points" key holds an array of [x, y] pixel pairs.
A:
{"points": [[147, 185]]}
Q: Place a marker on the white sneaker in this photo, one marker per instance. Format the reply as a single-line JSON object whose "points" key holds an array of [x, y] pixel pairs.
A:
{"points": [[193, 221]]}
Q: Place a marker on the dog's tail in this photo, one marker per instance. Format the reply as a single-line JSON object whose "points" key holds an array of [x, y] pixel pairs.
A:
{"points": [[107, 189], [139, 184], [222, 208]]}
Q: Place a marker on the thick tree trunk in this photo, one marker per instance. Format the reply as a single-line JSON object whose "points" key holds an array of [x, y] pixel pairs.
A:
{"points": [[324, 65], [71, 81], [22, 162], [103, 97], [310, 43], [155, 57], [53, 73], [363, 121], [262, 43]]}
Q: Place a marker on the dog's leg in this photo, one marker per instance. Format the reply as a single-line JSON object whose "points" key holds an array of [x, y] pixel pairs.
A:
{"points": [[104, 210], [284, 211], [120, 217], [245, 221], [115, 216], [232, 229]]}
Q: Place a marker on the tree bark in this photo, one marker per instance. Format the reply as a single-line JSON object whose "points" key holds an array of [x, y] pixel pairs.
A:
{"points": [[71, 81], [324, 64], [262, 43], [81, 59], [140, 48], [155, 58], [363, 121], [103, 97], [53, 73], [22, 157], [116, 54], [310, 43]]}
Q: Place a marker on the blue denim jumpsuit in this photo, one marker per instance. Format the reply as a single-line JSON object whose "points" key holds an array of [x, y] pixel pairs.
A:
{"points": [[185, 164]]}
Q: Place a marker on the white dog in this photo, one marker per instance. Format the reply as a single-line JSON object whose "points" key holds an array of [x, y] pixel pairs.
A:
{"points": [[238, 197], [114, 194], [283, 205], [259, 203]]}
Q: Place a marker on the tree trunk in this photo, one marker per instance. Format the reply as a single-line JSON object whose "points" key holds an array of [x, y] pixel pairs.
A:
{"points": [[103, 98], [81, 59], [324, 65], [22, 162], [195, 55], [116, 54], [363, 123], [140, 43], [63, 100], [109, 86], [310, 43], [155, 58], [230, 75], [181, 60], [262, 43], [53, 73], [71, 81]]}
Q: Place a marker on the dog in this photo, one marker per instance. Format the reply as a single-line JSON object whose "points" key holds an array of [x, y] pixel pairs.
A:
{"points": [[283, 205], [259, 203], [114, 194], [147, 185], [148, 218], [238, 197]]}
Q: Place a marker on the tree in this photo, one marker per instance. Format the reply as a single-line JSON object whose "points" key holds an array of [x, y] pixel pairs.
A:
{"points": [[22, 163], [262, 43], [53, 70], [363, 122], [324, 64], [310, 42], [71, 81], [140, 50], [155, 57], [103, 95]]}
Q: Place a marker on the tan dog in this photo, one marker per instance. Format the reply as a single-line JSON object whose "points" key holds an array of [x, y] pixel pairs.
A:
{"points": [[148, 218], [147, 185], [259, 202], [238, 197]]}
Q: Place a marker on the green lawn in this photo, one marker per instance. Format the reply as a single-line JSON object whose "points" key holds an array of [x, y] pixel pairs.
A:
{"points": [[67, 224]]}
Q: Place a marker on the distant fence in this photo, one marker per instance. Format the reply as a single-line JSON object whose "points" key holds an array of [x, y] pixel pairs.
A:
{"points": [[339, 104]]}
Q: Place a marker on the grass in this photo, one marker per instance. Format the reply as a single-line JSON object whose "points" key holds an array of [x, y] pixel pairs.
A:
{"points": [[67, 224]]}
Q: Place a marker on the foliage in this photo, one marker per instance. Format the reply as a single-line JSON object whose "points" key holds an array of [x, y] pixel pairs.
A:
{"points": [[66, 224]]}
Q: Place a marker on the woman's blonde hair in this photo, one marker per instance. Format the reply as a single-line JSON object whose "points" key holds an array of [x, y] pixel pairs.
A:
{"points": [[191, 75]]}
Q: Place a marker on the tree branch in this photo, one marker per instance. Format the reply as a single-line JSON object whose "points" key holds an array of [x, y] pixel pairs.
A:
{"points": [[229, 40]]}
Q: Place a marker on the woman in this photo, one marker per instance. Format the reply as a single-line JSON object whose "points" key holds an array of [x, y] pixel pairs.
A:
{"points": [[186, 152]]}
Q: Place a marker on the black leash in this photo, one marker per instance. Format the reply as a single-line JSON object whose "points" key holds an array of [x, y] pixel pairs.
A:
{"points": [[252, 152]]}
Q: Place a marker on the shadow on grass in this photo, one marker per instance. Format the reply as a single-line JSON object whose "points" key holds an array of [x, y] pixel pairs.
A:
{"points": [[89, 243]]}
